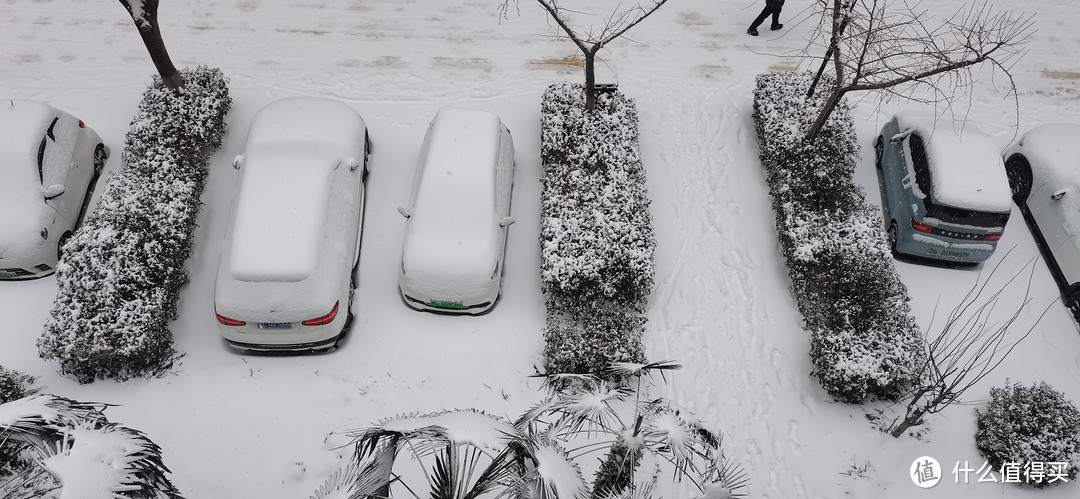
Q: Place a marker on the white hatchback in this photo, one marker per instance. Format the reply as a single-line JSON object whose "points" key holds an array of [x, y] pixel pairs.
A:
{"points": [[455, 235], [285, 278], [49, 164]]}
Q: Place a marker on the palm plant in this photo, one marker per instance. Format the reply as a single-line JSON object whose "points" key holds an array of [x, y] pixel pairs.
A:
{"points": [[81, 449], [469, 454]]}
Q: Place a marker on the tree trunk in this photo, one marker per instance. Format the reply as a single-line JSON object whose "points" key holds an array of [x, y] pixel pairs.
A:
{"points": [[590, 77], [145, 18], [826, 111]]}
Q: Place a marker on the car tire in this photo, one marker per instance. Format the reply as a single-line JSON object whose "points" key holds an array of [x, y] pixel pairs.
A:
{"points": [[1019, 172], [99, 158], [879, 151], [60, 245], [891, 235]]}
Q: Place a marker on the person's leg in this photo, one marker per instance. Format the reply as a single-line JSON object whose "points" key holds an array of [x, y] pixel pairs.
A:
{"points": [[765, 13], [776, 19]]}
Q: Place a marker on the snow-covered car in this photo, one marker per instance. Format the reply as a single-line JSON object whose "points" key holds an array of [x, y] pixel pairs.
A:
{"points": [[459, 213], [285, 278], [1043, 168], [49, 164], [944, 192]]}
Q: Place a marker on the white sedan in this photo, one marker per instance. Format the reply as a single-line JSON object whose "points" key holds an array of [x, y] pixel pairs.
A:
{"points": [[49, 164], [1044, 174], [285, 278]]}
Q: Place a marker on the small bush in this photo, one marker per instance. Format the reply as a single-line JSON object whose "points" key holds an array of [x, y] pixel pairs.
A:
{"points": [[864, 340], [13, 386], [1030, 424], [596, 237], [121, 274]]}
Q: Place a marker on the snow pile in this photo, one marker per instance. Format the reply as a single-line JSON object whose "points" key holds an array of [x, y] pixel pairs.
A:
{"points": [[91, 457], [597, 242], [1030, 426], [864, 340], [122, 270]]}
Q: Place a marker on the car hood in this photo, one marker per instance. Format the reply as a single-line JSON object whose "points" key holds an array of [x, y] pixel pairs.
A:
{"points": [[20, 231]]}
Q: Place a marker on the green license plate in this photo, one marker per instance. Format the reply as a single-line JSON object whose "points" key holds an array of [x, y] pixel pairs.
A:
{"points": [[446, 304], [947, 253], [7, 275]]}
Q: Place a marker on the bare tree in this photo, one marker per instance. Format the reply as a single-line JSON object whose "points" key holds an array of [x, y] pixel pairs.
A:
{"points": [[969, 348], [892, 46], [144, 14], [590, 40]]}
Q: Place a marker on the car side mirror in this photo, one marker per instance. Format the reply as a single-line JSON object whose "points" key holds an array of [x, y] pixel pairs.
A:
{"points": [[404, 212], [506, 221], [52, 191], [1060, 193], [237, 161], [896, 139]]}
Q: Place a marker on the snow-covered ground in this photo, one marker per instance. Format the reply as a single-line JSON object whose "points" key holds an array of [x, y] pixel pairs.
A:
{"points": [[255, 426]]}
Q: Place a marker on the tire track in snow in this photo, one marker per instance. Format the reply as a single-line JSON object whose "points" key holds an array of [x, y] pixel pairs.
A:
{"points": [[712, 309]]}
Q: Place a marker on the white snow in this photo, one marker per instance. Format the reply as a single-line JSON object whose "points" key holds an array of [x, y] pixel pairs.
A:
{"points": [[965, 165], [234, 426]]}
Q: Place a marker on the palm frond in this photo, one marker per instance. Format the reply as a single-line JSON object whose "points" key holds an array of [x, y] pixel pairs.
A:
{"points": [[554, 474], [616, 370]]}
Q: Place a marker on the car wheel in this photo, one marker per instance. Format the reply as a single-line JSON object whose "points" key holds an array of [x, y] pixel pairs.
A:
{"points": [[99, 158], [60, 245], [879, 151], [1019, 172], [891, 236]]}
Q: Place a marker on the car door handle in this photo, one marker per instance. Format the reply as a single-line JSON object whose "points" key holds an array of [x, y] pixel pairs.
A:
{"points": [[1058, 194]]}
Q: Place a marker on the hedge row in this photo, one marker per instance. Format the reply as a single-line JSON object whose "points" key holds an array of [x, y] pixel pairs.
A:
{"points": [[122, 271], [864, 339], [596, 235]]}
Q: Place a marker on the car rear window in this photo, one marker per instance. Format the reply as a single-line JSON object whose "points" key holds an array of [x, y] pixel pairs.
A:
{"points": [[941, 212]]}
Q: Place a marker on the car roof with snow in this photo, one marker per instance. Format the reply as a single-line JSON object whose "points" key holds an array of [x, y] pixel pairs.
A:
{"points": [[452, 225], [965, 165], [294, 147], [22, 125]]}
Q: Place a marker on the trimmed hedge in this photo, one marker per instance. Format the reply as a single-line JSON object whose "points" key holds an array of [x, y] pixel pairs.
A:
{"points": [[597, 242], [1030, 424], [864, 340], [121, 273]]}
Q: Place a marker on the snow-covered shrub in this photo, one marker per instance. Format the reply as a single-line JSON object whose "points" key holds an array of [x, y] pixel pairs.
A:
{"points": [[13, 386], [1030, 424], [864, 339], [584, 339], [596, 236], [121, 273], [88, 455]]}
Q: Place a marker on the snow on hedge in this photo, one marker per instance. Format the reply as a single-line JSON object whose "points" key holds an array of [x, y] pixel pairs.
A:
{"points": [[122, 271], [864, 339], [1035, 428], [596, 235]]}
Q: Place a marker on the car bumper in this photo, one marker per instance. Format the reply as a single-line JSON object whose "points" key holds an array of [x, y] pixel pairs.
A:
{"points": [[946, 249], [478, 302], [297, 338]]}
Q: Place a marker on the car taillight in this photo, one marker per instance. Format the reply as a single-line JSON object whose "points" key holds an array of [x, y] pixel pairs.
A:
{"points": [[81, 124], [993, 237], [229, 322], [920, 227], [326, 319]]}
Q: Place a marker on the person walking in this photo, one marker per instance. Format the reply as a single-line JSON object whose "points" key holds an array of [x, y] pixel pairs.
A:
{"points": [[772, 8]]}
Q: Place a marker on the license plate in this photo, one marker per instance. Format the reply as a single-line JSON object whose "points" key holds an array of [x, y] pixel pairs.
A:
{"points": [[7, 275], [275, 325], [947, 253], [446, 304]]}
